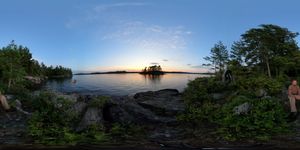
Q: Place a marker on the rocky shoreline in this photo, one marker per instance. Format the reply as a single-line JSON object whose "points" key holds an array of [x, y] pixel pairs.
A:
{"points": [[155, 110]]}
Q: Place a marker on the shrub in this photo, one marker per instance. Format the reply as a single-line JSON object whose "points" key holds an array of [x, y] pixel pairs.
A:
{"points": [[50, 123], [199, 90], [197, 115], [252, 84], [265, 119]]}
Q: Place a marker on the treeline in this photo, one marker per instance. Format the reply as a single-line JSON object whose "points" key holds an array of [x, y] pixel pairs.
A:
{"points": [[16, 62], [156, 69], [269, 49], [56, 72]]}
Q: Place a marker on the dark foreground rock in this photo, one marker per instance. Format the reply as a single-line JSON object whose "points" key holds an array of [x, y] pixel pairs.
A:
{"points": [[143, 108]]}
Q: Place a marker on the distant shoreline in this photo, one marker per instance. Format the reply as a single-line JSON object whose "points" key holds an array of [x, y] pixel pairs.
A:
{"points": [[130, 72]]}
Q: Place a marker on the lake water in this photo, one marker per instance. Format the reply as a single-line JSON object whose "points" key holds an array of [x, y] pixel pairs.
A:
{"points": [[120, 84]]}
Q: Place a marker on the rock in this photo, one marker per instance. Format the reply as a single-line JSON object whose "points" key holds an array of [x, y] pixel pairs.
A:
{"points": [[242, 109], [127, 110], [134, 113], [118, 114], [9, 97], [166, 133], [142, 115], [79, 107], [166, 102], [92, 116], [20, 109], [35, 80], [154, 108], [261, 93], [164, 92], [219, 96]]}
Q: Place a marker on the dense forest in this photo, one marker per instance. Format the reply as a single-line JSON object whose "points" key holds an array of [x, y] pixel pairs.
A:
{"points": [[262, 63], [16, 62]]}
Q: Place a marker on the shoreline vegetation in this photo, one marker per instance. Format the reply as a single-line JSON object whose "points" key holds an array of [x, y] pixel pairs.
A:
{"points": [[19, 71], [248, 107], [151, 70], [125, 72]]}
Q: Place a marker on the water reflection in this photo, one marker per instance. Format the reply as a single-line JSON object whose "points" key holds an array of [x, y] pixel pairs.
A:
{"points": [[120, 84], [155, 79]]}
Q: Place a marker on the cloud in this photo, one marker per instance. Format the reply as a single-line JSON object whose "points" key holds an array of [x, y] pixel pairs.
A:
{"points": [[198, 66], [151, 37], [189, 64], [105, 7], [101, 13], [154, 63], [165, 60]]}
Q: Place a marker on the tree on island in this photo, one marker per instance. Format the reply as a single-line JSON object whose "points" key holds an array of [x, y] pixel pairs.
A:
{"points": [[155, 70]]}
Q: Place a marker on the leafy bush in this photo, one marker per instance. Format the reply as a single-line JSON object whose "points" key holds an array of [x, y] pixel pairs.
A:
{"points": [[50, 122], [199, 90], [265, 119], [252, 84], [196, 115]]}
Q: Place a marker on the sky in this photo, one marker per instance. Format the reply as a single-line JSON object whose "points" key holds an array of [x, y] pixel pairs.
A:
{"points": [[108, 35]]}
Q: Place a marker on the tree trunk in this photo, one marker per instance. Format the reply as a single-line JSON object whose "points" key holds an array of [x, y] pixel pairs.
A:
{"points": [[268, 68], [9, 78], [9, 83]]}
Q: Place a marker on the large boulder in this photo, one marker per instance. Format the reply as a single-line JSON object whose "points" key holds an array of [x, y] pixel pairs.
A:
{"points": [[166, 102], [127, 110], [159, 107], [92, 116], [35, 80]]}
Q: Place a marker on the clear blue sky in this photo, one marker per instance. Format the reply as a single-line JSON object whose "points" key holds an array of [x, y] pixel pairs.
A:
{"points": [[90, 35]]}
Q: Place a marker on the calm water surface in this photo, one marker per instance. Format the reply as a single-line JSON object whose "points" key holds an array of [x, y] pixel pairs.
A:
{"points": [[120, 84]]}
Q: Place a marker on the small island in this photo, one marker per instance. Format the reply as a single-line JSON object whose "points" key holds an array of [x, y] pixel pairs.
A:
{"points": [[152, 70]]}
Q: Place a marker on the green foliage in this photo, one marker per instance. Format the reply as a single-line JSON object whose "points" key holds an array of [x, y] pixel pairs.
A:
{"points": [[94, 135], [266, 118], [199, 90], [58, 72], [99, 101], [253, 84], [16, 62], [219, 57], [49, 118], [197, 115], [268, 49], [52, 123]]}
